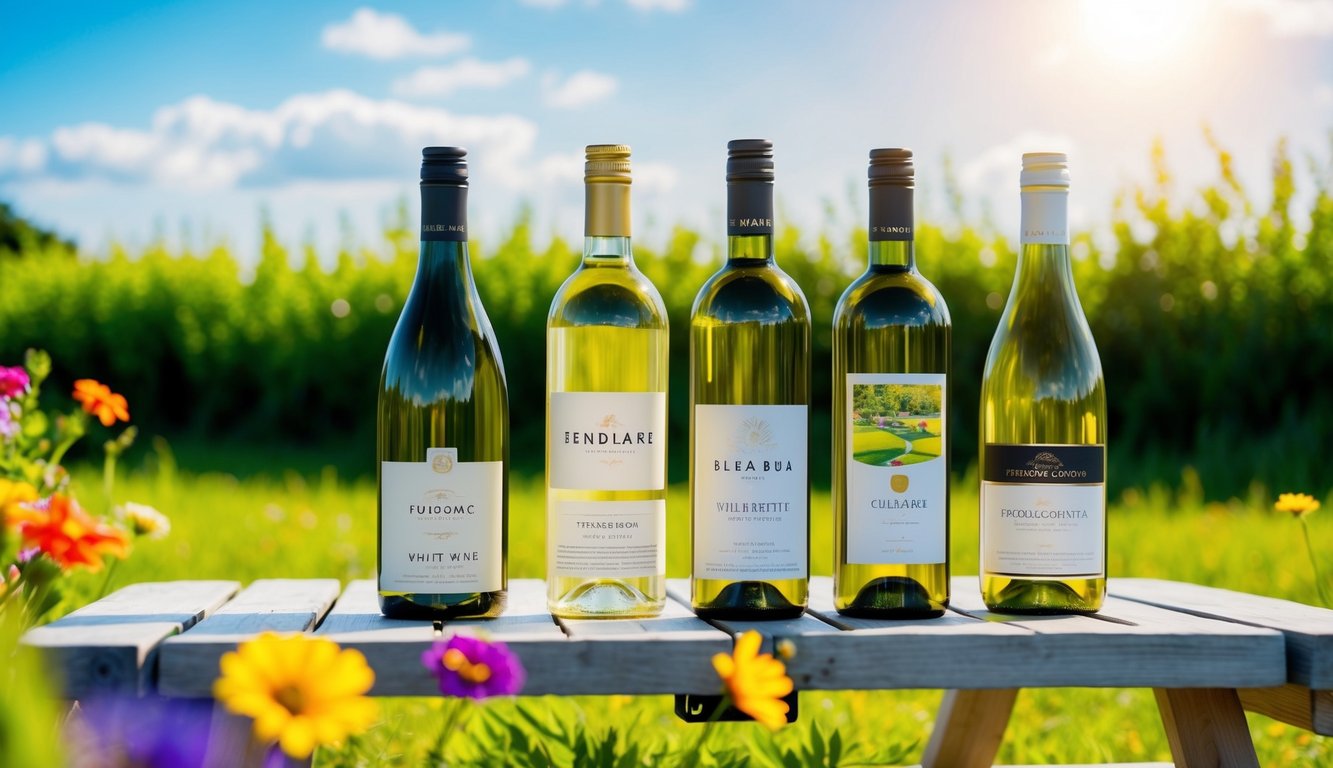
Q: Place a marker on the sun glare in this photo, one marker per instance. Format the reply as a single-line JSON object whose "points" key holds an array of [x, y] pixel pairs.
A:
{"points": [[1139, 30]]}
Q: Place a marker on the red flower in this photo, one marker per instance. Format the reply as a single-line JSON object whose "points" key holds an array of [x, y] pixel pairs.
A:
{"points": [[896, 463], [98, 399], [68, 535]]}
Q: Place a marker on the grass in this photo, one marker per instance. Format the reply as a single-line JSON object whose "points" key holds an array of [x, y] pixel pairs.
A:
{"points": [[872, 445], [322, 525]]}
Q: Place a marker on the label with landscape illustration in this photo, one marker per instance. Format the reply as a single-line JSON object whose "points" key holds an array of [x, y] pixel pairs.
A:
{"points": [[897, 504]]}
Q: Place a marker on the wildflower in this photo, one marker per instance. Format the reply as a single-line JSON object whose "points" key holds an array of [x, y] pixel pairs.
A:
{"points": [[301, 691], [11, 581], [475, 668], [755, 682], [14, 381], [12, 495], [786, 649], [100, 401], [9, 426], [68, 535], [151, 731], [1298, 504], [144, 520]]}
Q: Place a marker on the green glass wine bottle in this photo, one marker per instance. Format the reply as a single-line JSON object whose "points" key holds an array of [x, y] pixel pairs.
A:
{"points": [[606, 384], [891, 335], [443, 426], [749, 414], [1043, 424]]}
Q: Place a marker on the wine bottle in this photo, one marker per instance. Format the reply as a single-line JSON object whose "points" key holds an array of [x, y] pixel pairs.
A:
{"points": [[1043, 424], [443, 426], [606, 382], [749, 414], [891, 334]]}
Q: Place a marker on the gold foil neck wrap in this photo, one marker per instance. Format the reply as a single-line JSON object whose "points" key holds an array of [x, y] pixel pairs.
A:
{"points": [[606, 176]]}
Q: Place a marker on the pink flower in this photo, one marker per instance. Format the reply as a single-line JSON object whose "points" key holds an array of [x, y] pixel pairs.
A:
{"points": [[896, 463], [8, 426], [14, 381], [468, 666]]}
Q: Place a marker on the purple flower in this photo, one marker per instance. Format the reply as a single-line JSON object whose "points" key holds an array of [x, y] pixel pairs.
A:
{"points": [[150, 732], [8, 426], [468, 666], [14, 381]]}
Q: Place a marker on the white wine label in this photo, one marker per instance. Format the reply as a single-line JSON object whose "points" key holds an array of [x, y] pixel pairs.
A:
{"points": [[897, 478], [1045, 217], [441, 525], [608, 441], [1043, 510], [751, 497], [608, 538]]}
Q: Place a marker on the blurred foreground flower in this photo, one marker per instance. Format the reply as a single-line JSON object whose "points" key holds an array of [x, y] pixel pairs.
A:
{"points": [[14, 381], [62, 531], [144, 520], [474, 668], [12, 496], [1298, 504], [301, 691], [98, 400], [140, 732], [755, 682]]}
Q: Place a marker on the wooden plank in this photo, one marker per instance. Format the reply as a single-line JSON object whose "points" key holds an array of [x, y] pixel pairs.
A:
{"points": [[1206, 728], [111, 645], [1308, 630], [1131, 644], [669, 653], [1294, 704], [188, 663], [555, 663], [969, 729]]}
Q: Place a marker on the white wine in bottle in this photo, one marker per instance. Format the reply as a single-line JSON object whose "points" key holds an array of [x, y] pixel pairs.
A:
{"points": [[606, 384], [443, 426], [891, 334], [749, 414], [1043, 424]]}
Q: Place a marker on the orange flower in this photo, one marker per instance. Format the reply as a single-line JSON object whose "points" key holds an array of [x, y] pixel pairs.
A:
{"points": [[756, 682], [98, 399], [68, 535], [13, 495]]}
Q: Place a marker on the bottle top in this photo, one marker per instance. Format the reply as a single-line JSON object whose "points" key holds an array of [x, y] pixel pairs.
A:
{"points": [[607, 163], [444, 165], [891, 168], [749, 160], [1044, 169]]}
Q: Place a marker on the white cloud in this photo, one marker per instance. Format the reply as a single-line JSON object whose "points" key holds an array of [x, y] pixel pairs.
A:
{"points": [[389, 36], [544, 3], [467, 73], [671, 6], [202, 143], [999, 165], [581, 89], [1292, 18]]}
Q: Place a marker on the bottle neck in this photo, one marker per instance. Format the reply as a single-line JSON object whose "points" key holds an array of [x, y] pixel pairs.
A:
{"points": [[1043, 261], [602, 251], [892, 255], [750, 222], [443, 261], [606, 229]]}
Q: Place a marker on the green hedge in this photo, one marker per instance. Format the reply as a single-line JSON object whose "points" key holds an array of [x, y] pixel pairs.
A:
{"points": [[1213, 316]]}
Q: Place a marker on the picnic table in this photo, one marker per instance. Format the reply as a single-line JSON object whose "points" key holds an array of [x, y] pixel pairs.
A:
{"points": [[1207, 653]]}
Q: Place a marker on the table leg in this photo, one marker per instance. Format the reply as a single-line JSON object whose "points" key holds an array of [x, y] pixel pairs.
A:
{"points": [[1206, 727], [969, 728]]}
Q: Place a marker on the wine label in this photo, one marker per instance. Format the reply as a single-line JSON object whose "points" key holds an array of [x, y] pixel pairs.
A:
{"points": [[441, 525], [608, 441], [1043, 510], [751, 497], [1045, 217], [608, 538], [897, 477]]}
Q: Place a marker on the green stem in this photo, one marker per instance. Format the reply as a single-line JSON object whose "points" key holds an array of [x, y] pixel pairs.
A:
{"points": [[106, 582], [447, 732], [722, 705], [109, 480], [1314, 564]]}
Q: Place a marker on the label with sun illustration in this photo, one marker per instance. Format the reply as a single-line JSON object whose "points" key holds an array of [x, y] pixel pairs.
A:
{"points": [[896, 470], [441, 523], [1043, 510], [751, 497], [608, 441]]}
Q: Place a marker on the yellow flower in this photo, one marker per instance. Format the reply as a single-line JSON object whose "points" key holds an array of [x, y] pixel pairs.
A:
{"points": [[1298, 504], [143, 520], [301, 691], [755, 682], [13, 494]]}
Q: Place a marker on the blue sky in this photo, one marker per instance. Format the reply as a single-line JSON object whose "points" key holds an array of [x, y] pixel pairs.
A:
{"points": [[118, 123]]}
